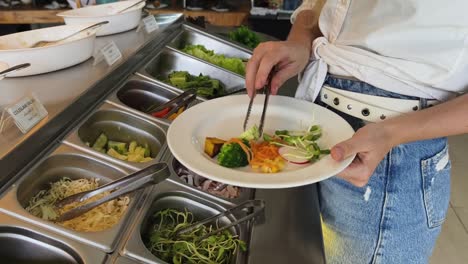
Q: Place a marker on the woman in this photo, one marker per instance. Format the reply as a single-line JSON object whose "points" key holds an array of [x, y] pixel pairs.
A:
{"points": [[381, 64]]}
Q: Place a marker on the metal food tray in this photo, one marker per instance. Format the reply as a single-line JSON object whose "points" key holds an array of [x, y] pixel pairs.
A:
{"points": [[67, 162], [139, 93], [170, 195], [245, 193], [169, 60], [123, 260], [25, 243], [196, 36], [120, 125]]}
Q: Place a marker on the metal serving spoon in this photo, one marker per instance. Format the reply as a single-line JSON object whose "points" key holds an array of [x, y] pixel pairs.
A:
{"points": [[14, 68], [128, 7], [43, 43]]}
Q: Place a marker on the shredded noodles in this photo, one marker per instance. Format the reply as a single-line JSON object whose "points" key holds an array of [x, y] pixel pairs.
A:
{"points": [[100, 218]]}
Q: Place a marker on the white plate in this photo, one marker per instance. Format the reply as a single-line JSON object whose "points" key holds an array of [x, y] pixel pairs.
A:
{"points": [[14, 49], [127, 20], [223, 118]]}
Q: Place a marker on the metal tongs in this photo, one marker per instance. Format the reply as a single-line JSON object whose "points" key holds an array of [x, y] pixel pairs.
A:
{"points": [[257, 207], [266, 90], [182, 100], [153, 174]]}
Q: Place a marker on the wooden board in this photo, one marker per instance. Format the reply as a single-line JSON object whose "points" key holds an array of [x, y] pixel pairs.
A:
{"points": [[29, 15]]}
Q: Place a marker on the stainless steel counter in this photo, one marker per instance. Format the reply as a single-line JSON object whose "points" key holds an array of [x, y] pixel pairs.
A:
{"points": [[290, 231], [59, 89]]}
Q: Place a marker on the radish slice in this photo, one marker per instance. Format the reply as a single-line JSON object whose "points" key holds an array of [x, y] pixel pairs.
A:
{"points": [[290, 154]]}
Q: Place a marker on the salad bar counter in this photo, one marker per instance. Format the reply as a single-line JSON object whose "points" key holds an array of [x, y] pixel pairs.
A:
{"points": [[114, 123]]}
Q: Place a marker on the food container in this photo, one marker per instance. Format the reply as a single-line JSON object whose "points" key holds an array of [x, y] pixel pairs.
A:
{"points": [[71, 163], [123, 260], [122, 126], [171, 60], [139, 93], [24, 243], [127, 20], [169, 195], [175, 166], [14, 49], [195, 36]]}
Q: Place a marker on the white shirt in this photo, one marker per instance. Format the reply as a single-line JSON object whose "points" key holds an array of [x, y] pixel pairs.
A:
{"points": [[411, 47]]}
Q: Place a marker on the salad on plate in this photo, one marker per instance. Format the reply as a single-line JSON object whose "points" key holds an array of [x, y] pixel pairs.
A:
{"points": [[269, 154]]}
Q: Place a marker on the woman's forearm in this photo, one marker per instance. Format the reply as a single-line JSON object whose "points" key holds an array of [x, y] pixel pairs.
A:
{"points": [[305, 28], [446, 119]]}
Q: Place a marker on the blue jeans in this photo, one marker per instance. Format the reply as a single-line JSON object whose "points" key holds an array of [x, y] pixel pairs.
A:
{"points": [[397, 217]]}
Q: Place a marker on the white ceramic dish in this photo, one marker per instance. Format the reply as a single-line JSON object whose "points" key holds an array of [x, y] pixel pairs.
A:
{"points": [[14, 49], [3, 66], [122, 22], [223, 118]]}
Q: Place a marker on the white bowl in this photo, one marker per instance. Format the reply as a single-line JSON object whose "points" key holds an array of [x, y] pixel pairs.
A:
{"points": [[127, 20], [14, 49]]}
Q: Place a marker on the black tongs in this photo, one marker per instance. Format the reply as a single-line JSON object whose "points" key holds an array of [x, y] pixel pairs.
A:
{"points": [[256, 207], [182, 100], [153, 174], [267, 91]]}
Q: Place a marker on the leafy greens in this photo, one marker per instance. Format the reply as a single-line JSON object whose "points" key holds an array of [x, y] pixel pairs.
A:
{"points": [[185, 248]]}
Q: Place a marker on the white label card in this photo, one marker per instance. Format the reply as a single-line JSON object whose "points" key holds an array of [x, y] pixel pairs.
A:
{"points": [[27, 112], [111, 53], [150, 24]]}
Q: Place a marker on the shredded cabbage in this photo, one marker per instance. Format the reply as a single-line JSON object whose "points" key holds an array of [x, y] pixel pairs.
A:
{"points": [[100, 218]]}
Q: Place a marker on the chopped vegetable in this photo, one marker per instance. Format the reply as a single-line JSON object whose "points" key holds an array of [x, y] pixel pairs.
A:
{"points": [[245, 36], [175, 115], [185, 248], [213, 146], [213, 187], [251, 134], [266, 157], [120, 150], [233, 64], [161, 113], [293, 155], [205, 86], [233, 155], [99, 218], [120, 147], [302, 144], [100, 142]]}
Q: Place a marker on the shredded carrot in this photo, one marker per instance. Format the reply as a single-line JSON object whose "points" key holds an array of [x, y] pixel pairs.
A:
{"points": [[263, 156], [266, 157]]}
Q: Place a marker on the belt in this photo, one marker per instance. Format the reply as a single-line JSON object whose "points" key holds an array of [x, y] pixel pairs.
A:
{"points": [[370, 107]]}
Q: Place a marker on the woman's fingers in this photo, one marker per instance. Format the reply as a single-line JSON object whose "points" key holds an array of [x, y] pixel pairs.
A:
{"points": [[358, 172], [252, 68], [288, 57]]}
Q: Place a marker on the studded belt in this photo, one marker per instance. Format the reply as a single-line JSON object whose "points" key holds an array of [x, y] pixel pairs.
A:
{"points": [[370, 108]]}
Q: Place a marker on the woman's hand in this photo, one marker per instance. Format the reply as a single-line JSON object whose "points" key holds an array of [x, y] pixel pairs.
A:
{"points": [[370, 144], [289, 57]]}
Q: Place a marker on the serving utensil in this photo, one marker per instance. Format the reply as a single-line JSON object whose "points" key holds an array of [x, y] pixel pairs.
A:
{"points": [[43, 43], [128, 7], [182, 100], [14, 68], [151, 175], [266, 90], [254, 208]]}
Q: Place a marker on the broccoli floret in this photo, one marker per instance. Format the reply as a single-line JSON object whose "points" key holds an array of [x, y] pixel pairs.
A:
{"points": [[231, 155]]}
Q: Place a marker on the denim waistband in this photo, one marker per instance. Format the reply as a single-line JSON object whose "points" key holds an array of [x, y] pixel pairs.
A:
{"points": [[362, 87]]}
